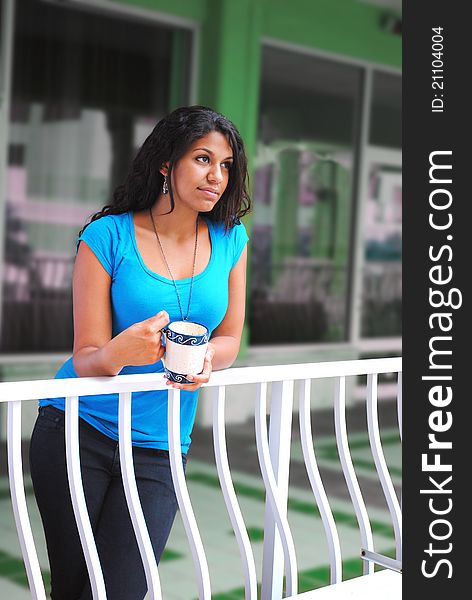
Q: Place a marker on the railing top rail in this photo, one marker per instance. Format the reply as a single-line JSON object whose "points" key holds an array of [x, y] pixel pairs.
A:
{"points": [[87, 386]]}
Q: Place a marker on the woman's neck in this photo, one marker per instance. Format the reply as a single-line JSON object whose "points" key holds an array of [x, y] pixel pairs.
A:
{"points": [[179, 224]]}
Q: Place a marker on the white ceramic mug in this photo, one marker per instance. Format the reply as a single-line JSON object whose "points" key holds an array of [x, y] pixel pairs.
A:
{"points": [[186, 346]]}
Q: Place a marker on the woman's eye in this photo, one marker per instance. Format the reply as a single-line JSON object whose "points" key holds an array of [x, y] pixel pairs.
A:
{"points": [[206, 159]]}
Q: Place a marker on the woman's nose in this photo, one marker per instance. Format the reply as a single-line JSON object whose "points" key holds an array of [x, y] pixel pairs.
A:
{"points": [[215, 174]]}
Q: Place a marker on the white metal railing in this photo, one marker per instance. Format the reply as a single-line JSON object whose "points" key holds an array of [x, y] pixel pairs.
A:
{"points": [[273, 449]]}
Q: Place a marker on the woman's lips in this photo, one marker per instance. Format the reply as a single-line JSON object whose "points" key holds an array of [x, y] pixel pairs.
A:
{"points": [[209, 193]]}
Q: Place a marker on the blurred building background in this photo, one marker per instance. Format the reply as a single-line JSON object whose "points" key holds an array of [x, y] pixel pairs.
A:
{"points": [[314, 87]]}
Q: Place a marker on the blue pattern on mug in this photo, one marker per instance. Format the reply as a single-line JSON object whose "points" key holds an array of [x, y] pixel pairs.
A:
{"points": [[177, 377], [187, 340]]}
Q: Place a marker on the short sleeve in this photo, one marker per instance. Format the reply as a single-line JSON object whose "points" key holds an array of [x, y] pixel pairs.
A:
{"points": [[240, 239], [101, 237]]}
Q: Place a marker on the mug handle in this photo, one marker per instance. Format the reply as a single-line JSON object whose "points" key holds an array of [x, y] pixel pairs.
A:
{"points": [[163, 335]]}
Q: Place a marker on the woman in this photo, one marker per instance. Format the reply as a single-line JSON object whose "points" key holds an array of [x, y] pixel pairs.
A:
{"points": [[169, 247]]}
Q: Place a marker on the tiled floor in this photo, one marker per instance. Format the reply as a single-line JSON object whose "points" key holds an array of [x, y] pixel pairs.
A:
{"points": [[177, 572]]}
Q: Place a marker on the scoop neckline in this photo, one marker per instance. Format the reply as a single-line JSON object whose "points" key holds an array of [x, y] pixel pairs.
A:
{"points": [[161, 277]]}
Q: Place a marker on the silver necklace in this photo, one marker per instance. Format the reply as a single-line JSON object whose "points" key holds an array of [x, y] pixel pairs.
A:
{"points": [[170, 272]]}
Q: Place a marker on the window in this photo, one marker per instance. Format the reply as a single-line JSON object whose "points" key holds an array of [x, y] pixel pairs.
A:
{"points": [[303, 198], [87, 89]]}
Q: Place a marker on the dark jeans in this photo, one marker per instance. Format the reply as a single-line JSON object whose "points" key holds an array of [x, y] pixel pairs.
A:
{"points": [[114, 535]]}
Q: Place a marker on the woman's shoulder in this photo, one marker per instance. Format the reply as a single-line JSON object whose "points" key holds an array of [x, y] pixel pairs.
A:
{"points": [[110, 220], [105, 233], [111, 224]]}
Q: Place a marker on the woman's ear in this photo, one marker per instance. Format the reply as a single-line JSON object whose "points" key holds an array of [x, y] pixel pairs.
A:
{"points": [[164, 168]]}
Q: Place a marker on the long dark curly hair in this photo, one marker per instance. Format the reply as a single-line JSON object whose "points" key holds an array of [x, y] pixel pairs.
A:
{"points": [[168, 142]]}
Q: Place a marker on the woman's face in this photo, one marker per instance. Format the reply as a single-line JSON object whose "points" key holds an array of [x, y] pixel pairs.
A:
{"points": [[200, 177]]}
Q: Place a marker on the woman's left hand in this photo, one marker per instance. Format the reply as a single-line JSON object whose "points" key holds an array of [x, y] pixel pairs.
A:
{"points": [[203, 377]]}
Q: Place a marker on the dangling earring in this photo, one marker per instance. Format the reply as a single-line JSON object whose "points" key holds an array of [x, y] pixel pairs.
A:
{"points": [[165, 188]]}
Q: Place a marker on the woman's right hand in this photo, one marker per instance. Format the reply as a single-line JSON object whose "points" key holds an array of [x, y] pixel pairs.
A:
{"points": [[141, 343]]}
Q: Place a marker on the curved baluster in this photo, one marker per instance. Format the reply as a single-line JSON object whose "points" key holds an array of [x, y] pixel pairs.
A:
{"points": [[316, 482], [132, 497], [380, 463], [348, 470], [78, 499], [399, 411], [224, 474], [268, 476], [399, 403], [18, 500], [183, 498]]}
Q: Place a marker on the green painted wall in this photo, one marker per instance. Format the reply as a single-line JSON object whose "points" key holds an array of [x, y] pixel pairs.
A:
{"points": [[345, 27], [229, 73]]}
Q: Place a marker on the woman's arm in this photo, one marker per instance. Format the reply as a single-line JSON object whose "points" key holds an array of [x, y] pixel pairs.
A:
{"points": [[95, 352], [92, 315]]}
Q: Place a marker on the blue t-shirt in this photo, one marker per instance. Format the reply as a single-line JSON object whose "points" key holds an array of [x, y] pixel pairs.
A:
{"points": [[138, 293]]}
